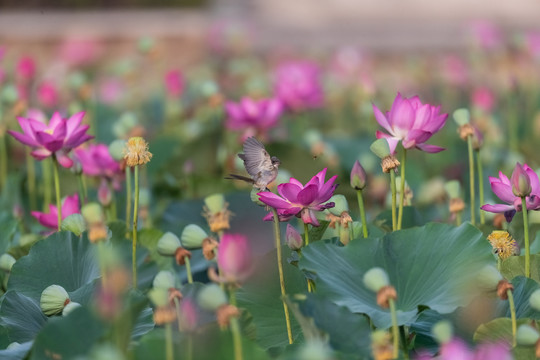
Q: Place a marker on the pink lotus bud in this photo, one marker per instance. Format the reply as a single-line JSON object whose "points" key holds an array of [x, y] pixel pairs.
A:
{"points": [[234, 257], [293, 238], [47, 94], [358, 176], [188, 317], [26, 69], [174, 83], [521, 184], [104, 193]]}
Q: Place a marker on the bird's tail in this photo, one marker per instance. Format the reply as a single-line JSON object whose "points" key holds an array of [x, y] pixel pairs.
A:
{"points": [[239, 177]]}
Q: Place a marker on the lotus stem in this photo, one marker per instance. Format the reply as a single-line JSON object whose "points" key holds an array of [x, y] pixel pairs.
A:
{"points": [[57, 189], [31, 179], [3, 160], [82, 197], [128, 196], [306, 241], [395, 328], [526, 235], [458, 218], [360, 198], [402, 188], [101, 252], [512, 315], [281, 278], [471, 178], [393, 187], [479, 169], [235, 328], [404, 341], [188, 270], [114, 214], [134, 235], [169, 350]]}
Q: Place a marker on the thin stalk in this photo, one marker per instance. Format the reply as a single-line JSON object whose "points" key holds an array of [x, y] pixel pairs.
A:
{"points": [[526, 235], [402, 188], [403, 336], [31, 179], [112, 205], [281, 278], [85, 188], [235, 328], [458, 218], [395, 329], [471, 178], [3, 161], [512, 315], [47, 184], [101, 252], [128, 195], [134, 234], [362, 212], [499, 263], [188, 270], [189, 347], [306, 243], [82, 198], [479, 169], [393, 187], [169, 350], [57, 189]]}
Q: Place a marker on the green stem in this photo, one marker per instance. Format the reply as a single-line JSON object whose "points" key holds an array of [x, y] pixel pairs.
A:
{"points": [[3, 161], [479, 169], [189, 347], [512, 315], [134, 234], [458, 218], [403, 336], [281, 277], [128, 195], [362, 212], [188, 270], [57, 189], [499, 263], [393, 187], [526, 235], [102, 255], [402, 188], [82, 198], [306, 243], [235, 327], [471, 178], [31, 178], [85, 188], [169, 351], [112, 205], [47, 184], [395, 329]]}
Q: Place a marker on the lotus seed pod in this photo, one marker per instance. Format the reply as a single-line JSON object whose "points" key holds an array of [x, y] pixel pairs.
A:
{"points": [[462, 117], [453, 189], [53, 300], [119, 130], [215, 203], [159, 296], [74, 223], [105, 351], [341, 205], [27, 240], [526, 335], [488, 278], [315, 350], [6, 262], [144, 197], [70, 307], [13, 345], [375, 278], [92, 213], [128, 120], [534, 300], [380, 148], [255, 198], [293, 239], [443, 331], [168, 244], [211, 297], [193, 236], [164, 280], [116, 149], [379, 337]]}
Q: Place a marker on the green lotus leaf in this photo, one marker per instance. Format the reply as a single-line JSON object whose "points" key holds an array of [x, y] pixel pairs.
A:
{"points": [[515, 266], [523, 288], [16, 353], [497, 330], [422, 328], [429, 266], [21, 316]]}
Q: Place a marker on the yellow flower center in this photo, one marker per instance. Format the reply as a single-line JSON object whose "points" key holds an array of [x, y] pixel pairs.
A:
{"points": [[503, 244]]}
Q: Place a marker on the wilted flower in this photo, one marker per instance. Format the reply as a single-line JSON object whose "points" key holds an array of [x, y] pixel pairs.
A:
{"points": [[503, 188], [295, 199], [297, 84], [503, 244], [70, 206], [410, 122], [234, 258], [255, 117], [136, 152]]}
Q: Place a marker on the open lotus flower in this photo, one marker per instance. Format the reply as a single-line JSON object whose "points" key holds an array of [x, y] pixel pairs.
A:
{"points": [[96, 160], [255, 117], [299, 200], [525, 181], [57, 138], [410, 122], [50, 220], [297, 84]]}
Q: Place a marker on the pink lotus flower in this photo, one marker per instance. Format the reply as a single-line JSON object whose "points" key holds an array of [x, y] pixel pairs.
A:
{"points": [[50, 220], [483, 98], [47, 94], [80, 51], [297, 84], [26, 69], [96, 160], [457, 349], [58, 138], [487, 35], [503, 188], [234, 258], [174, 83], [410, 122], [255, 117], [299, 200]]}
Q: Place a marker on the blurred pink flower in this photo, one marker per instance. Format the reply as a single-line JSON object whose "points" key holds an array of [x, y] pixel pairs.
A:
{"points": [[97, 161], [255, 117], [79, 51], [174, 83], [25, 69], [57, 138], [486, 34], [295, 199], [532, 41], [234, 258], [188, 315], [457, 349], [111, 91], [47, 94], [70, 205], [298, 85], [455, 70], [410, 122], [484, 99], [502, 187]]}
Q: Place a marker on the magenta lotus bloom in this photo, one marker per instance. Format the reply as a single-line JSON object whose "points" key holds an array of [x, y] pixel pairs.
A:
{"points": [[410, 122], [503, 188], [26, 69], [50, 220], [299, 200], [174, 83], [234, 258], [255, 117], [47, 94], [297, 84], [58, 138], [96, 160]]}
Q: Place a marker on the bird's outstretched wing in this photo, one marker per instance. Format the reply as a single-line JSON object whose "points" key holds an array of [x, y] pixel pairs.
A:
{"points": [[256, 158]]}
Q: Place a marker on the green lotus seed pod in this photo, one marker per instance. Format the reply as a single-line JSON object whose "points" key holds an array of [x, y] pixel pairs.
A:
{"points": [[442, 331], [453, 189], [53, 300], [526, 335], [116, 149], [211, 297], [74, 223], [92, 213], [128, 120], [164, 280], [380, 148], [70, 307], [144, 197], [168, 244], [375, 278], [159, 296], [379, 337], [341, 205], [255, 198], [119, 130], [534, 300], [6, 262], [488, 278], [462, 116], [27, 240], [215, 203], [105, 351], [315, 350], [193, 236]]}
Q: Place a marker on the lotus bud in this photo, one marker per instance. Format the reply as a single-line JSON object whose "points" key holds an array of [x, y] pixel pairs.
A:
{"points": [[477, 139], [74, 223], [234, 257], [164, 280], [92, 213], [159, 296], [521, 184], [293, 238], [116, 149], [527, 335], [340, 206], [70, 307], [104, 193], [488, 278], [534, 300], [144, 197], [211, 297], [255, 198], [375, 279], [358, 176], [168, 244], [53, 300], [193, 236], [442, 331], [380, 148], [453, 189], [6, 262], [215, 203], [462, 117]]}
